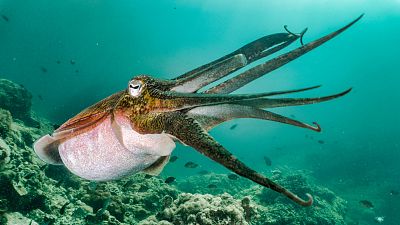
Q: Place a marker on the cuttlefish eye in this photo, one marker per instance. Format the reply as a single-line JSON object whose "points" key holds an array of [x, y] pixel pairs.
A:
{"points": [[135, 87]]}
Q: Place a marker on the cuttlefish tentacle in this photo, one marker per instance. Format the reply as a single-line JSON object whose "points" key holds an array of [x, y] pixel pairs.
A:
{"points": [[246, 77], [189, 132], [282, 102], [208, 73], [173, 101], [211, 116]]}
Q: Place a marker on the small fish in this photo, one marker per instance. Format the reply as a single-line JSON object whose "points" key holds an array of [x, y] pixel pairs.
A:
{"points": [[142, 189], [5, 18], [43, 69], [203, 172], [129, 183], [233, 126], [394, 192], [43, 167], [233, 176], [293, 116], [76, 71], [72, 62], [309, 137], [170, 180], [62, 210], [367, 204], [321, 142], [212, 186], [148, 176], [58, 62], [106, 203], [40, 97], [191, 165], [173, 158], [267, 161], [92, 185]]}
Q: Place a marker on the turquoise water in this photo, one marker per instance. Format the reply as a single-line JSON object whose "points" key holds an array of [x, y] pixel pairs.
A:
{"points": [[111, 41]]}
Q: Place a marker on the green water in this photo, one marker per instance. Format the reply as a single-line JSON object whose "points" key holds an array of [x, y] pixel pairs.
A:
{"points": [[111, 41]]}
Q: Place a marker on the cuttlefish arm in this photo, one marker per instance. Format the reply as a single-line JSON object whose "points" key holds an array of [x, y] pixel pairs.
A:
{"points": [[253, 51], [188, 131], [211, 116], [208, 73]]}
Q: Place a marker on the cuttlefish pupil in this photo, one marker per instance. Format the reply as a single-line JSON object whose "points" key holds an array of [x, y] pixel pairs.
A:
{"points": [[135, 130]]}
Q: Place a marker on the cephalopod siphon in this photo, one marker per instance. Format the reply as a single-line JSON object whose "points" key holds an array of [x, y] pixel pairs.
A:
{"points": [[136, 129]]}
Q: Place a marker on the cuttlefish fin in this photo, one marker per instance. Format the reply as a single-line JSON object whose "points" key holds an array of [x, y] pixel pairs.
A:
{"points": [[156, 168], [47, 149], [89, 117], [189, 132], [211, 116]]}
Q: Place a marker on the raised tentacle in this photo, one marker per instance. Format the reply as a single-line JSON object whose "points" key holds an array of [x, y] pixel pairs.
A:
{"points": [[246, 77], [210, 74], [189, 132], [251, 52], [211, 116]]}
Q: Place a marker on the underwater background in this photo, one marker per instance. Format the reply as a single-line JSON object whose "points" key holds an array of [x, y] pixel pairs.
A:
{"points": [[70, 54]]}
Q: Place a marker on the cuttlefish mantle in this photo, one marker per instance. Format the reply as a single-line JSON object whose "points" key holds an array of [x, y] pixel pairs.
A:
{"points": [[136, 129]]}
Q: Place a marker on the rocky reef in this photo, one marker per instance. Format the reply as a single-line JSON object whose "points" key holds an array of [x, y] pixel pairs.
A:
{"points": [[35, 193], [17, 100]]}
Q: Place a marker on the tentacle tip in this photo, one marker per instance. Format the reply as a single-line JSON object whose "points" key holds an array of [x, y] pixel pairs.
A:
{"points": [[288, 31], [310, 200], [317, 128], [302, 35]]}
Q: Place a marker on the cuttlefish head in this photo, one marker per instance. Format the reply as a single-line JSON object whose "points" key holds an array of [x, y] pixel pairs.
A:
{"points": [[99, 142]]}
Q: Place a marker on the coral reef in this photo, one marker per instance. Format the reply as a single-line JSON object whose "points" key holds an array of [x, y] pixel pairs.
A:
{"points": [[204, 209], [16, 99], [35, 193]]}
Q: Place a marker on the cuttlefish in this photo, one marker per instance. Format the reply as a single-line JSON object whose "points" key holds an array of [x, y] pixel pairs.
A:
{"points": [[137, 128]]}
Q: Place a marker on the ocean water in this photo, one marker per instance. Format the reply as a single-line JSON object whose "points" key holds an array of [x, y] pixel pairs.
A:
{"points": [[70, 54]]}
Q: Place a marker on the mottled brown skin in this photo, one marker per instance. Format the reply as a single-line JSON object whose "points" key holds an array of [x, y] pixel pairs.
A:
{"points": [[187, 115]]}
